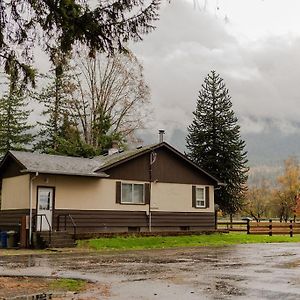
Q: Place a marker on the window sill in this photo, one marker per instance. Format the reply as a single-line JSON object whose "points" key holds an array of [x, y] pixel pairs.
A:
{"points": [[128, 203]]}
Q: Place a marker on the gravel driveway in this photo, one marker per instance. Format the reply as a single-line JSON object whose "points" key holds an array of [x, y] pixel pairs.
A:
{"points": [[254, 271]]}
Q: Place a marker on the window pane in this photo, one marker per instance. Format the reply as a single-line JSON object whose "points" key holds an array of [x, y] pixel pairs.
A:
{"points": [[126, 192], [200, 203], [44, 201], [200, 193], [138, 193]]}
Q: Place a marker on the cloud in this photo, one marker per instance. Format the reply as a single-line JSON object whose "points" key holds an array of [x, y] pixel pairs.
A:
{"points": [[262, 75]]}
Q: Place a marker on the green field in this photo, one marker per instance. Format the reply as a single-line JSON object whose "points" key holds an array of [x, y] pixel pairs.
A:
{"points": [[159, 242]]}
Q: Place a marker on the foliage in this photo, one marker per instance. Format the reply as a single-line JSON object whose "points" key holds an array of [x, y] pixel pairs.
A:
{"points": [[288, 187], [105, 26], [92, 104], [69, 142], [258, 200], [14, 128], [215, 144], [54, 97], [159, 242], [111, 98]]}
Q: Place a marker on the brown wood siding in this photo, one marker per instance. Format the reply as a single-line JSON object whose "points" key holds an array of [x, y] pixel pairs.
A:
{"points": [[135, 169], [10, 219], [168, 168], [10, 168], [205, 220], [95, 220]]}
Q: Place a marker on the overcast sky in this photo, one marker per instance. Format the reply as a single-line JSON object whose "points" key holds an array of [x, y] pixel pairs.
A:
{"points": [[253, 44]]}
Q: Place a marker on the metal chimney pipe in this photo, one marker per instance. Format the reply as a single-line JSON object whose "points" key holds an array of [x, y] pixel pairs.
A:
{"points": [[161, 133]]}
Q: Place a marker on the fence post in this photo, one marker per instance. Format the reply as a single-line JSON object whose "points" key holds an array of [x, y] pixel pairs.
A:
{"points": [[291, 228], [248, 226], [270, 227]]}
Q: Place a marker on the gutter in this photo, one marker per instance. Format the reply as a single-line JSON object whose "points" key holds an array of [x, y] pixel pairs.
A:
{"points": [[95, 175], [30, 206]]}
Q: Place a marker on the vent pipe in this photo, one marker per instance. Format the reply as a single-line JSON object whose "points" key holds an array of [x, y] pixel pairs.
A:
{"points": [[114, 148], [161, 133]]}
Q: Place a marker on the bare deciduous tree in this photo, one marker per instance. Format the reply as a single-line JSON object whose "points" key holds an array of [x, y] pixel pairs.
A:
{"points": [[258, 199], [111, 100]]}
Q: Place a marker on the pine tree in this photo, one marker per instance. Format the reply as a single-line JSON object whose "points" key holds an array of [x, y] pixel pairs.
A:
{"points": [[14, 128], [215, 144], [54, 97], [105, 26]]}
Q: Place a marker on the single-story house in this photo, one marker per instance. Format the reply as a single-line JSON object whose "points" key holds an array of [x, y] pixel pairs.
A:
{"points": [[151, 188]]}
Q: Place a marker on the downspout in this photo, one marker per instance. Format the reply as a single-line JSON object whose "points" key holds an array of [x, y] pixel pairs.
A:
{"points": [[150, 180], [152, 160], [30, 206]]}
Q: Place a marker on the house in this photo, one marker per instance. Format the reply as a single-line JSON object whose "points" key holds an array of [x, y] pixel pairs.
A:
{"points": [[151, 188]]}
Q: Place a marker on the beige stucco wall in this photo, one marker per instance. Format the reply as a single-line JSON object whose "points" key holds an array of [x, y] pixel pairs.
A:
{"points": [[94, 193], [15, 192], [177, 197], [84, 193]]}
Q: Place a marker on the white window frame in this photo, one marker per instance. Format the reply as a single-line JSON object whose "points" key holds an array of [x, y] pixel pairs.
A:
{"points": [[132, 191], [204, 197]]}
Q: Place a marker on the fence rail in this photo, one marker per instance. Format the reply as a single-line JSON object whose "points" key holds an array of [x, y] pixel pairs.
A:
{"points": [[233, 226], [265, 227]]}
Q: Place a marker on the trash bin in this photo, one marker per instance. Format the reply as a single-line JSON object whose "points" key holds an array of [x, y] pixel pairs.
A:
{"points": [[11, 239], [3, 237]]}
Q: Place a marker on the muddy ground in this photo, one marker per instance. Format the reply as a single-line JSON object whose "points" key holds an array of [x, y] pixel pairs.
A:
{"points": [[256, 271]]}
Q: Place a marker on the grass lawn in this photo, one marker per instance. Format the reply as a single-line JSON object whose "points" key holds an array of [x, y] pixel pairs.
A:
{"points": [[73, 285], [159, 242]]}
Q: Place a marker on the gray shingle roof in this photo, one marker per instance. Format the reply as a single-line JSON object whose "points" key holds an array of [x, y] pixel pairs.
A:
{"points": [[94, 167], [108, 160], [57, 164]]}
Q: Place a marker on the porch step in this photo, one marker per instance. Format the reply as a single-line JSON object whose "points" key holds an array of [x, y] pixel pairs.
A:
{"points": [[59, 239]]}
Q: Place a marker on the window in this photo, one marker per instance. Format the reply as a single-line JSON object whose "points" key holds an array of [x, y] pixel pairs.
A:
{"points": [[200, 197], [132, 193]]}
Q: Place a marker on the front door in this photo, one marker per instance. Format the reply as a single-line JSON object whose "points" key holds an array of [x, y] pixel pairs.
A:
{"points": [[44, 208]]}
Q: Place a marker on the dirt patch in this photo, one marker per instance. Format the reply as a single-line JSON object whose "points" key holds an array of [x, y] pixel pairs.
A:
{"points": [[10, 287], [22, 287]]}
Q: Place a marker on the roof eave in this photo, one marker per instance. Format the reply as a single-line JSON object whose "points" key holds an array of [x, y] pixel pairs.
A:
{"points": [[65, 173]]}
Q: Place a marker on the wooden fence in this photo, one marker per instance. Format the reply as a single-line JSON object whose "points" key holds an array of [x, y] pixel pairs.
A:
{"points": [[265, 227], [233, 226]]}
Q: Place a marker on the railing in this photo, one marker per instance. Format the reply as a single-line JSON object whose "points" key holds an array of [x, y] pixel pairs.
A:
{"points": [[65, 223], [35, 218]]}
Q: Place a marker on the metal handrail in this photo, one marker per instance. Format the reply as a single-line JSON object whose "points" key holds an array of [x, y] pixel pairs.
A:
{"points": [[50, 227], [72, 221]]}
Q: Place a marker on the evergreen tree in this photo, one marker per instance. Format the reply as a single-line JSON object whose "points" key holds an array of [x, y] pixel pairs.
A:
{"points": [[14, 127], [69, 141], [105, 26], [215, 144], [54, 97]]}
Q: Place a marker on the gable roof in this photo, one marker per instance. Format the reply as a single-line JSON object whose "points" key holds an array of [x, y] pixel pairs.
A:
{"points": [[33, 162], [119, 158]]}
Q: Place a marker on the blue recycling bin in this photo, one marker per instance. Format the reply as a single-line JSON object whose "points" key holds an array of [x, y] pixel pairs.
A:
{"points": [[3, 237]]}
